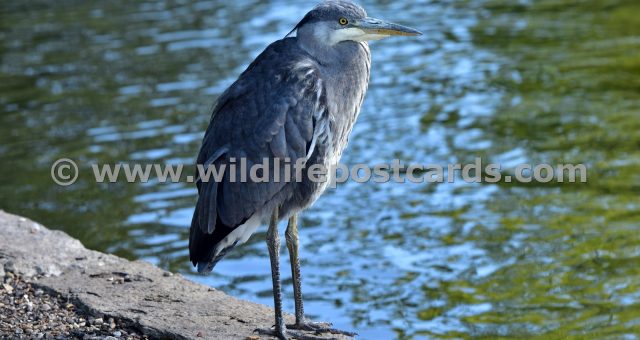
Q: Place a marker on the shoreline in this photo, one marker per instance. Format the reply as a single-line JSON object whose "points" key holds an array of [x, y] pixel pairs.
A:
{"points": [[111, 294]]}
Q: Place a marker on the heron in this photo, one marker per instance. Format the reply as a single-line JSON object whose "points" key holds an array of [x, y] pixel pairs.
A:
{"points": [[298, 100]]}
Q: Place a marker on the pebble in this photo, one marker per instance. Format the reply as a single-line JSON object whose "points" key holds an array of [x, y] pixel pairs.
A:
{"points": [[31, 313], [8, 288]]}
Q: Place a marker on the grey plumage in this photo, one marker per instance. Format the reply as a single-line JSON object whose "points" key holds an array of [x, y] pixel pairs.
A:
{"points": [[299, 99], [292, 93]]}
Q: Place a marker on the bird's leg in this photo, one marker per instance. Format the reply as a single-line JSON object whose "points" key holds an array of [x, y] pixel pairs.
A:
{"points": [[293, 244], [291, 235], [273, 244]]}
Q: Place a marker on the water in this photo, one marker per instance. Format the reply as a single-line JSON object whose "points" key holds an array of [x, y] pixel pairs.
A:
{"points": [[511, 82]]}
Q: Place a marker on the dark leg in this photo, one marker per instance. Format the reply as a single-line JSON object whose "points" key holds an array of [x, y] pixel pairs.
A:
{"points": [[291, 235], [293, 244], [273, 244]]}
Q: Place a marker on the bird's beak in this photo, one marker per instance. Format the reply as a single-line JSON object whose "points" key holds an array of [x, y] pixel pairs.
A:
{"points": [[380, 29]]}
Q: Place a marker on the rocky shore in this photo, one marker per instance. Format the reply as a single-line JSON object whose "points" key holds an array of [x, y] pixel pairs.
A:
{"points": [[29, 312], [51, 287]]}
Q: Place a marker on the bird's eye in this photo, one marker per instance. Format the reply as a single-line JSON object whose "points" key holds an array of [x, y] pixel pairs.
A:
{"points": [[343, 21]]}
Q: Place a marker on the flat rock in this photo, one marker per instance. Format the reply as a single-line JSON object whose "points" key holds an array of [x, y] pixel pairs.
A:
{"points": [[159, 304]]}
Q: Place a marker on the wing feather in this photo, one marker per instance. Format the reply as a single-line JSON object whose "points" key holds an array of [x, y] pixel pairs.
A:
{"points": [[291, 97]]}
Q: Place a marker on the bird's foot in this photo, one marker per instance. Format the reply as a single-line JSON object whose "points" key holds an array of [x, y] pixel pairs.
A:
{"points": [[287, 334], [319, 328]]}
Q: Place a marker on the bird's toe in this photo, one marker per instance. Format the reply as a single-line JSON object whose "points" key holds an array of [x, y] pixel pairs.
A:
{"points": [[272, 332], [320, 328], [289, 334]]}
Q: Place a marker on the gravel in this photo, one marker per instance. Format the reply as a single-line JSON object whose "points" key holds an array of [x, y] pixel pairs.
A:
{"points": [[27, 312]]}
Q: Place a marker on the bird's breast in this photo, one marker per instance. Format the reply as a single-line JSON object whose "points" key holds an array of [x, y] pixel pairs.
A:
{"points": [[345, 87], [346, 92]]}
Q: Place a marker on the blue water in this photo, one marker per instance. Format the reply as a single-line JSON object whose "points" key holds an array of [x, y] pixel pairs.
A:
{"points": [[123, 81]]}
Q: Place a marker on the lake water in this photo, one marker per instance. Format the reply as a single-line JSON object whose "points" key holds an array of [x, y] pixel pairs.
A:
{"points": [[549, 81]]}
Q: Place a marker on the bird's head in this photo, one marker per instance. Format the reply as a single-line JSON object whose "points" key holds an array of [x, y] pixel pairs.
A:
{"points": [[333, 22]]}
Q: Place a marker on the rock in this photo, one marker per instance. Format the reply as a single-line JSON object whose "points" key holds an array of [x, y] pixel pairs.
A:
{"points": [[8, 288], [9, 267], [48, 270], [21, 268], [152, 302]]}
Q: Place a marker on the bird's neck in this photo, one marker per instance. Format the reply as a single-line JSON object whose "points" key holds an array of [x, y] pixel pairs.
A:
{"points": [[337, 56]]}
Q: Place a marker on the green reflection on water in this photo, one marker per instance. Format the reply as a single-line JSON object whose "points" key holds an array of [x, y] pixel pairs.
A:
{"points": [[572, 95], [567, 255]]}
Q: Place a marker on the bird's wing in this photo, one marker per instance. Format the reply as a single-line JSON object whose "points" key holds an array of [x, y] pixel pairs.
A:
{"points": [[273, 110]]}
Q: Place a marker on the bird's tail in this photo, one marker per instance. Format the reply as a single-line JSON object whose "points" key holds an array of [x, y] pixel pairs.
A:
{"points": [[202, 245]]}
